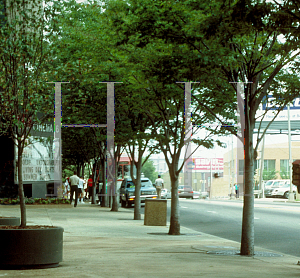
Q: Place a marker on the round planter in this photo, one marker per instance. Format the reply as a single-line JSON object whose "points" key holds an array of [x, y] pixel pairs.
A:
{"points": [[10, 221], [38, 247]]}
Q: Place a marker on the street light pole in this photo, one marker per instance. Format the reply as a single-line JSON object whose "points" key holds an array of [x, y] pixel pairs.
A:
{"points": [[291, 195], [262, 186]]}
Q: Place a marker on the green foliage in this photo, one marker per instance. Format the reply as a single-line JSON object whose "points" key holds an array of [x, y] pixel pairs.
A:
{"points": [[149, 170], [29, 201], [270, 175], [284, 173], [25, 52]]}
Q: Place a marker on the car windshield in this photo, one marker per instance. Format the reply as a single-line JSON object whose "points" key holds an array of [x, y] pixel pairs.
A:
{"points": [[144, 183], [278, 184], [130, 184], [268, 183], [185, 187]]}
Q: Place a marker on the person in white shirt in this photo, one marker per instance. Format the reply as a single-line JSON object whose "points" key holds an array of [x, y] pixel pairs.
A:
{"points": [[159, 184], [67, 187], [80, 190], [74, 181]]}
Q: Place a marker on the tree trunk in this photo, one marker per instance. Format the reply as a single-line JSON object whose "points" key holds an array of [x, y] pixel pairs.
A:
{"points": [[21, 191], [115, 201], [78, 169], [94, 183], [247, 240], [82, 170], [137, 200], [175, 212], [103, 190]]}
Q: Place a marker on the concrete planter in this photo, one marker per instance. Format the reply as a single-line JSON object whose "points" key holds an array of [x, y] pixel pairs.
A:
{"points": [[10, 221], [31, 247]]}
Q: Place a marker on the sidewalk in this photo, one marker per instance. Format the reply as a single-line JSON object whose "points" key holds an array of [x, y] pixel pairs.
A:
{"points": [[101, 243]]}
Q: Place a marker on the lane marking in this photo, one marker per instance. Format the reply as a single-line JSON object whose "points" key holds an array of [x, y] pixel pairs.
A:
{"points": [[256, 218], [211, 211], [184, 207]]}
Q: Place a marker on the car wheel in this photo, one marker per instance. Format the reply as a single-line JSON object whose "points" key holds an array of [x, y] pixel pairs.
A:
{"points": [[286, 195]]}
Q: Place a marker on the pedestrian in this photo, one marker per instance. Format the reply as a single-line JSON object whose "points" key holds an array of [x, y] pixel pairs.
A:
{"points": [[80, 190], [237, 188], [67, 187], [74, 181], [159, 184], [90, 186]]}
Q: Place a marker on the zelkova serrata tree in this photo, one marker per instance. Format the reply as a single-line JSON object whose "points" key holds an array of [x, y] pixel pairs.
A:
{"points": [[25, 98], [222, 42]]}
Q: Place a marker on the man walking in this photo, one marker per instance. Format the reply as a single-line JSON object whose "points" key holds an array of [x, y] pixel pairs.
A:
{"points": [[237, 188], [159, 184], [80, 190], [74, 181]]}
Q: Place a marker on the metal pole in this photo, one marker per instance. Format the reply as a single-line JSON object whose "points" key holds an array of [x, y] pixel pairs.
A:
{"points": [[232, 168], [210, 179], [262, 167], [291, 195], [229, 173]]}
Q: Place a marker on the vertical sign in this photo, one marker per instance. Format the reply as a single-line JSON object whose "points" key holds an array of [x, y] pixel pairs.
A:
{"points": [[188, 133]]}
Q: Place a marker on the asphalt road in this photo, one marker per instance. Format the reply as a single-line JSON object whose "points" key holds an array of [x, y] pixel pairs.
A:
{"points": [[277, 224]]}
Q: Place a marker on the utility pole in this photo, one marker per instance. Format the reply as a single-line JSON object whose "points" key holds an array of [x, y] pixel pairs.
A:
{"points": [[291, 195]]}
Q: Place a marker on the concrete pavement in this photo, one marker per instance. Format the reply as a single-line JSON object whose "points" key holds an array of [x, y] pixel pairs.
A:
{"points": [[101, 243]]}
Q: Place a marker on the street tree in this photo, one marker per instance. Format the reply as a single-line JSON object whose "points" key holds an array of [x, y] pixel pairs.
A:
{"points": [[247, 42], [149, 170], [258, 57], [25, 52], [140, 29], [79, 37], [238, 42]]}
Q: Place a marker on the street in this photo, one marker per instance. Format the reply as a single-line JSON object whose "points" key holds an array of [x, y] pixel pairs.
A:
{"points": [[277, 224]]}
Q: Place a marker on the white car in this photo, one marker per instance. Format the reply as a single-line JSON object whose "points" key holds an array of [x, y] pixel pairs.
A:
{"points": [[283, 191], [165, 194]]}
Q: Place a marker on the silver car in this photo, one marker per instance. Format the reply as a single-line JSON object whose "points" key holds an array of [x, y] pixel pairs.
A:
{"points": [[185, 191]]}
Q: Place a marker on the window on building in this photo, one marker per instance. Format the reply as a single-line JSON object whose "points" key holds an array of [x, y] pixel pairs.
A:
{"points": [[284, 169], [269, 172], [241, 167], [269, 164]]}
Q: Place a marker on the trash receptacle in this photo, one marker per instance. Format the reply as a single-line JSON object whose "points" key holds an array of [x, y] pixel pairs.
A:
{"points": [[155, 212]]}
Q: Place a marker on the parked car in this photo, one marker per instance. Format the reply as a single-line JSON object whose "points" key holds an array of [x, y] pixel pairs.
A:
{"points": [[127, 191], [185, 191], [165, 194], [271, 185], [283, 191]]}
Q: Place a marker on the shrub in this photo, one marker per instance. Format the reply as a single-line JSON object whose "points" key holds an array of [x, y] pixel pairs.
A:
{"points": [[29, 201]]}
